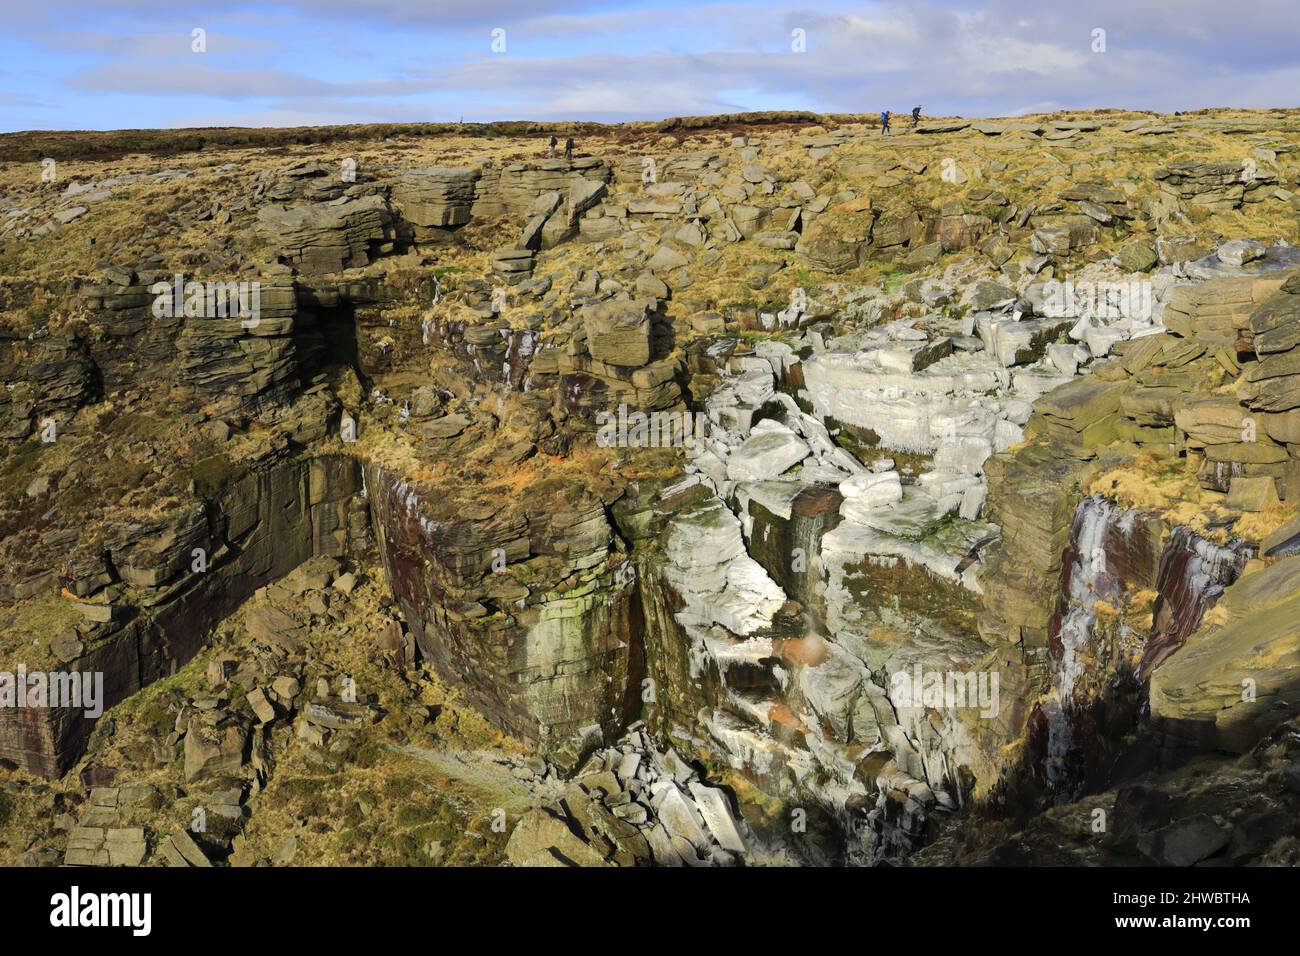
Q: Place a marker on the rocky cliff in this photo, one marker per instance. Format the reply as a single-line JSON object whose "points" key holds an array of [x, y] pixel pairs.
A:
{"points": [[772, 494]]}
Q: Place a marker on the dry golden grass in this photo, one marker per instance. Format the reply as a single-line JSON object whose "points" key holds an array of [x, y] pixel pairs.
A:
{"points": [[1169, 488]]}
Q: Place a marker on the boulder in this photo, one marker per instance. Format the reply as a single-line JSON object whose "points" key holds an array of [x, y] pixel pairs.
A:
{"points": [[766, 454], [1276, 324], [328, 237], [1214, 422], [543, 838], [435, 198], [1185, 842], [1136, 256], [1215, 187], [214, 749], [618, 332], [828, 252], [1252, 494], [1238, 252]]}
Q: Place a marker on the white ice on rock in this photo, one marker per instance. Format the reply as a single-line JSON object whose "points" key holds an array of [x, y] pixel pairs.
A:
{"points": [[720, 582], [770, 450], [958, 390], [961, 396], [868, 494]]}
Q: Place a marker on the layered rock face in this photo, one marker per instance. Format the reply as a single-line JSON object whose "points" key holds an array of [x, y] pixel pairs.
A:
{"points": [[328, 237], [555, 661], [894, 491], [436, 199], [194, 334], [180, 576], [1135, 583], [1235, 679], [428, 205], [1211, 186]]}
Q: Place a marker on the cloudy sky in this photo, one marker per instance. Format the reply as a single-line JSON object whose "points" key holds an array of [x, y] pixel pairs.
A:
{"points": [[111, 64]]}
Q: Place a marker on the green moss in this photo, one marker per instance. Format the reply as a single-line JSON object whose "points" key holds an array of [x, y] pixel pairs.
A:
{"points": [[400, 788], [212, 474], [157, 717], [408, 850], [411, 816], [39, 312], [25, 638], [367, 754], [308, 795], [140, 426], [906, 588], [894, 280], [353, 817], [18, 468], [864, 445]]}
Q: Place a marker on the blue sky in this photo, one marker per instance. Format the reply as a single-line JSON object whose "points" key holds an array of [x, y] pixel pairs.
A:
{"points": [[87, 64]]}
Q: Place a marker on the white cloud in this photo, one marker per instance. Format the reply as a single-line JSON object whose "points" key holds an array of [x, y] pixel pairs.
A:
{"points": [[411, 59]]}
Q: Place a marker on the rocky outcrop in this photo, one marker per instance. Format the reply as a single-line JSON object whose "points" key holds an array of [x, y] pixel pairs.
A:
{"points": [[1134, 588], [633, 805], [56, 377], [808, 456], [617, 333], [255, 530], [551, 651], [437, 200], [1209, 186], [1236, 678], [513, 188], [329, 237], [243, 364]]}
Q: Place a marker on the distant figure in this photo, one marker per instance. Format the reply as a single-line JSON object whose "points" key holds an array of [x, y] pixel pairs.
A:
{"points": [[568, 148], [916, 116], [884, 123], [553, 142]]}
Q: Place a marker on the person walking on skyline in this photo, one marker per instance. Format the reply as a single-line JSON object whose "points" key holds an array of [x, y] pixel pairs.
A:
{"points": [[884, 122]]}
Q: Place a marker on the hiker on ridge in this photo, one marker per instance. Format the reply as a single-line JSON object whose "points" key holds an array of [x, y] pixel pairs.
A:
{"points": [[568, 148], [553, 142], [916, 116], [884, 122]]}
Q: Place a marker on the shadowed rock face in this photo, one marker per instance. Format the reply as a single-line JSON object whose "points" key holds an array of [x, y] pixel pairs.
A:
{"points": [[1105, 645], [553, 662], [813, 512], [263, 526], [1236, 676], [1193, 575]]}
